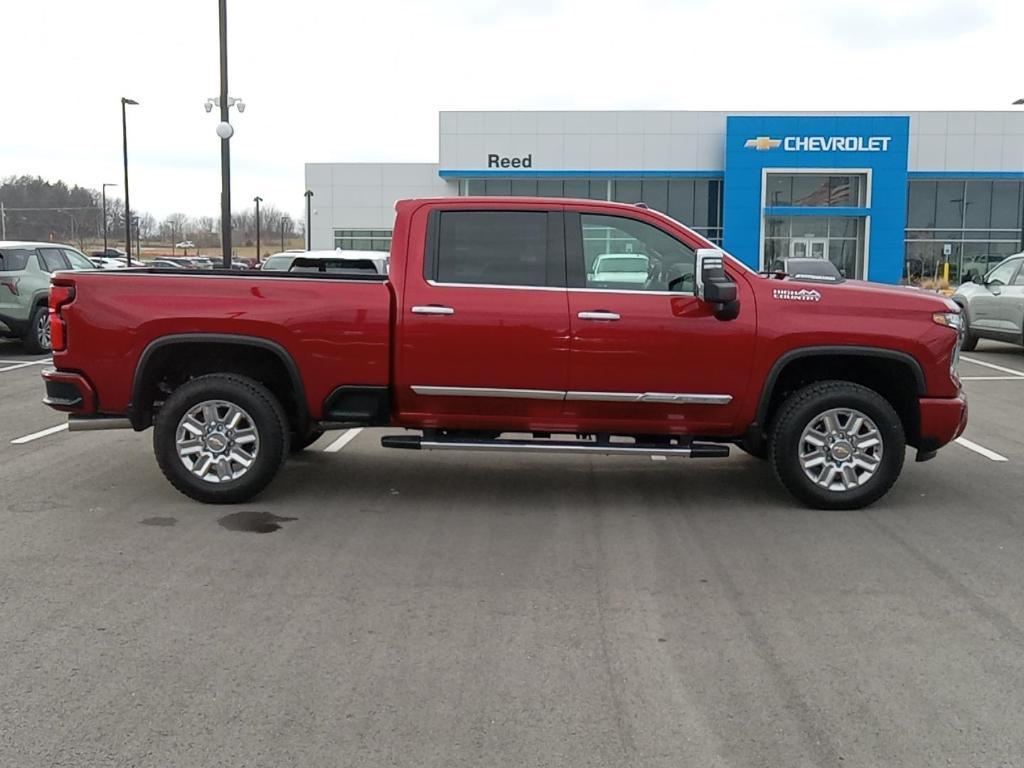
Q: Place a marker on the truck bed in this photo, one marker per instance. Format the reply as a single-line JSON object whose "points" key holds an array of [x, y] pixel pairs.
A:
{"points": [[335, 327]]}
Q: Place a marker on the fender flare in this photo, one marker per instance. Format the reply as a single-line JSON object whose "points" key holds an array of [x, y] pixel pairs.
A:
{"points": [[826, 351], [219, 338]]}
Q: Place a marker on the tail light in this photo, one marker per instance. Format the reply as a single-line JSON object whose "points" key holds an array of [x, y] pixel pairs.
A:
{"points": [[11, 284], [60, 296]]}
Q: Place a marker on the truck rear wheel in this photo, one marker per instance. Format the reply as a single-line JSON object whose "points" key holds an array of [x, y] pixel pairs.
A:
{"points": [[221, 438], [837, 445]]}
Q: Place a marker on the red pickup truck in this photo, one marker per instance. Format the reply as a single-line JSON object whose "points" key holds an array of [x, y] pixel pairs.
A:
{"points": [[516, 324]]}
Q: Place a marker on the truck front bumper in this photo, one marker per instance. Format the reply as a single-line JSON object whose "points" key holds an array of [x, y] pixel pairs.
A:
{"points": [[70, 392], [943, 419]]}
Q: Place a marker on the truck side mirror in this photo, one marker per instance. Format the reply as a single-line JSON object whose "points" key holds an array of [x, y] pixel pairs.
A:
{"points": [[714, 285]]}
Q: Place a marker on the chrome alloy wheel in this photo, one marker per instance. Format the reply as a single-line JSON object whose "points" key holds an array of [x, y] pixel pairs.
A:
{"points": [[840, 449], [43, 331], [217, 441]]}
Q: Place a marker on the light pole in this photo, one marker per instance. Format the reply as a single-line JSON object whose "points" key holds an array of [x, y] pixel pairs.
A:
{"points": [[127, 204], [258, 200], [105, 216], [1018, 103], [224, 131], [283, 220], [309, 220]]}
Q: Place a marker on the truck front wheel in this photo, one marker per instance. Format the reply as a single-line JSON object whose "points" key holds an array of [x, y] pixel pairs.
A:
{"points": [[221, 438], [837, 445]]}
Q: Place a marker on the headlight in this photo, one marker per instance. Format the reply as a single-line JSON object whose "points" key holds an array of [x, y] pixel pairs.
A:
{"points": [[955, 321], [952, 320]]}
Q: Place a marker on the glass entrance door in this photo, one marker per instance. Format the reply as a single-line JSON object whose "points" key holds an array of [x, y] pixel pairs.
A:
{"points": [[808, 248]]}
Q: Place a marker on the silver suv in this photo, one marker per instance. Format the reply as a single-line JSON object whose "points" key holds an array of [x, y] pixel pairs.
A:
{"points": [[25, 270], [993, 305]]}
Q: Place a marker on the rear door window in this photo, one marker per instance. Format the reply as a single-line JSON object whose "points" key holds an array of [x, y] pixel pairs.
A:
{"points": [[14, 259], [494, 248], [52, 259], [77, 260]]}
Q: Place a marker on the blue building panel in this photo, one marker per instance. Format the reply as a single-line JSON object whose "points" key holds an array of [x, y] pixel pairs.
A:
{"points": [[874, 145]]}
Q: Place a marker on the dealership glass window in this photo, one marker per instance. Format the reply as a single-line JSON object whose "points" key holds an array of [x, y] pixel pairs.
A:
{"points": [[789, 236], [654, 192], [979, 219], [949, 205], [814, 190], [1006, 205], [524, 187], [921, 204], [493, 247], [363, 239], [977, 205]]}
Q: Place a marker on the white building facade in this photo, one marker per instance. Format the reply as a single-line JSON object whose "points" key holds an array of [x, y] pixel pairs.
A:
{"points": [[885, 196]]}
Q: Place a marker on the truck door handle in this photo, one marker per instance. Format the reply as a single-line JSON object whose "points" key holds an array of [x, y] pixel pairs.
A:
{"points": [[432, 309], [598, 314]]}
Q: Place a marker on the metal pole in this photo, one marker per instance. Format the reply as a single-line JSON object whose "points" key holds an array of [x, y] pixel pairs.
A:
{"points": [[3, 222], [258, 200], [309, 220], [282, 232], [225, 152], [104, 219], [127, 203]]}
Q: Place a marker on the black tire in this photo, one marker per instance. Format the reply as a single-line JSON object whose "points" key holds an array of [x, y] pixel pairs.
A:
{"points": [[36, 340], [301, 443], [970, 341], [268, 420], [802, 408]]}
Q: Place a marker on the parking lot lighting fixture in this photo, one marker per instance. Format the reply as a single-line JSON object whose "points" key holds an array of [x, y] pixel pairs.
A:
{"points": [[127, 205]]}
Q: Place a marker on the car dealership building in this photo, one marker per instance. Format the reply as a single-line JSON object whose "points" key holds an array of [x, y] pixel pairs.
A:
{"points": [[885, 196]]}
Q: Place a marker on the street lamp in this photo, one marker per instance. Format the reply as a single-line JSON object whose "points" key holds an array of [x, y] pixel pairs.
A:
{"points": [[283, 220], [105, 216], [224, 131], [258, 200], [127, 204], [309, 230], [1018, 103]]}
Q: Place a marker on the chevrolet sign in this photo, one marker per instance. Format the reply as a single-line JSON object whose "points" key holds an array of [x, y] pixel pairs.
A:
{"points": [[822, 143]]}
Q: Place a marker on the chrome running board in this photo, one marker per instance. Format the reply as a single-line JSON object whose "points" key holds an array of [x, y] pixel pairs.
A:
{"points": [[694, 450]]}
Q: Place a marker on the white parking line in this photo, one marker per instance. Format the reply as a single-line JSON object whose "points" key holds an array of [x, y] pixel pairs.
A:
{"points": [[980, 449], [993, 366], [22, 365], [992, 378], [344, 440], [37, 435]]}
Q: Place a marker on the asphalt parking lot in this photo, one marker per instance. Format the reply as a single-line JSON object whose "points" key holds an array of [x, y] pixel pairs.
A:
{"points": [[380, 607]]}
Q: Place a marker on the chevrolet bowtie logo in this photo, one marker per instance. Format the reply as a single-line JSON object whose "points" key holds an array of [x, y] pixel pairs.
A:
{"points": [[762, 142]]}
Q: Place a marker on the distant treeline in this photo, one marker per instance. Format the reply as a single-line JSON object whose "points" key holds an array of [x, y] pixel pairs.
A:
{"points": [[36, 209]]}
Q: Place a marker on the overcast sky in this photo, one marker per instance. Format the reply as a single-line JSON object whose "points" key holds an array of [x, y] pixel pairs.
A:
{"points": [[329, 80]]}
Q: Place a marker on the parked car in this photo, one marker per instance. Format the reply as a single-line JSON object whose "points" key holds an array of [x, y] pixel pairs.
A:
{"points": [[811, 270], [620, 270], [993, 305], [109, 262], [337, 262], [487, 325], [163, 264], [25, 269], [202, 262]]}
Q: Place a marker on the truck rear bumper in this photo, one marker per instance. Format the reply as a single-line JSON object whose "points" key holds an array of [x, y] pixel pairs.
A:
{"points": [[70, 392], [943, 419]]}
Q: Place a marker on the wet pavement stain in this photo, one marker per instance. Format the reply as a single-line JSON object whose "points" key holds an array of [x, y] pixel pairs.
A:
{"points": [[164, 522], [253, 522]]}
